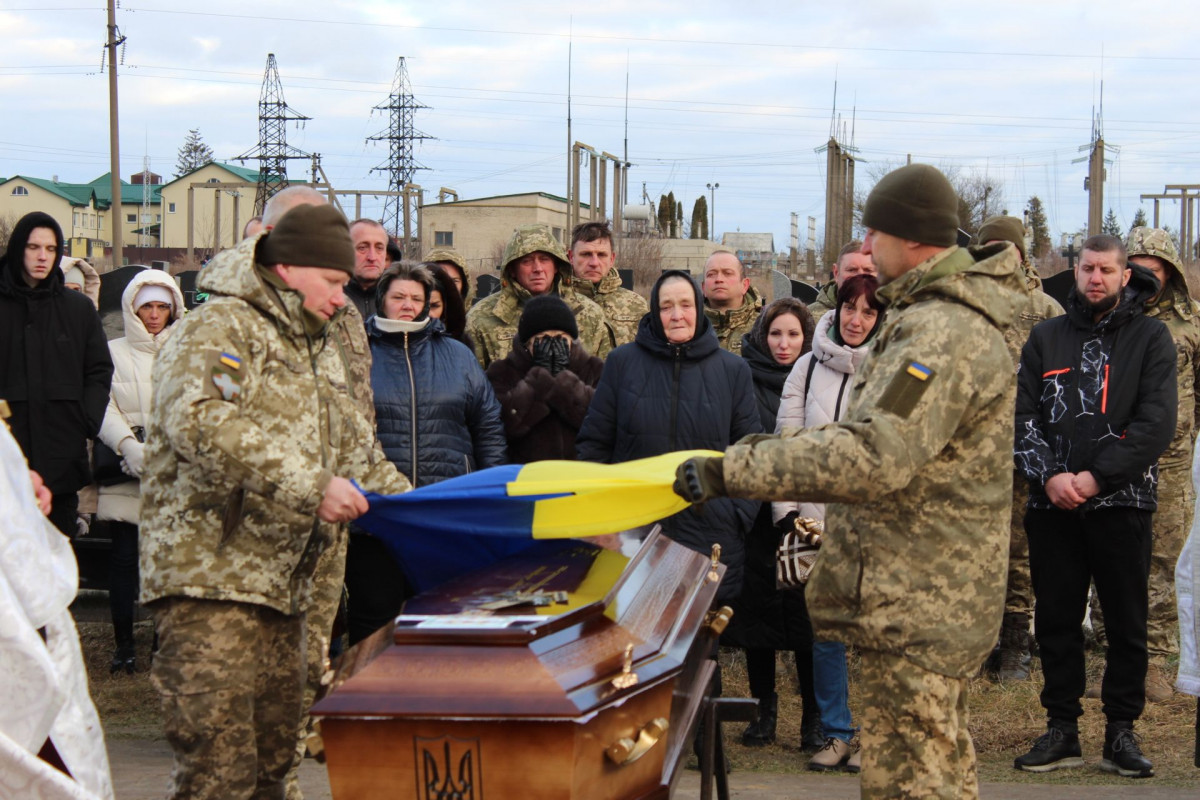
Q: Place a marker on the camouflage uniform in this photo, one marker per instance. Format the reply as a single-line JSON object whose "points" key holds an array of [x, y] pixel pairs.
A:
{"points": [[1176, 495], [918, 477], [826, 301], [440, 254], [731, 326], [622, 308], [251, 418], [492, 322]]}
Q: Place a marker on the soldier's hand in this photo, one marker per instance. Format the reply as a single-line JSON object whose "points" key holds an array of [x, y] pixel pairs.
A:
{"points": [[701, 479], [1061, 491], [342, 502]]}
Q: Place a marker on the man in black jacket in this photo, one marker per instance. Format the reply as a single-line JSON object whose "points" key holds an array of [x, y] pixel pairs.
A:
{"points": [[1096, 404], [55, 370]]}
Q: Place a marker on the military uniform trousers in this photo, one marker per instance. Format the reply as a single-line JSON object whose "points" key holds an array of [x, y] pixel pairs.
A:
{"points": [[915, 742], [1067, 549], [231, 679], [1018, 594], [1172, 522]]}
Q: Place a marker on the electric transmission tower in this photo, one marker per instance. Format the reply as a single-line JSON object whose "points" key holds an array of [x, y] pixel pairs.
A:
{"points": [[272, 151], [400, 209]]}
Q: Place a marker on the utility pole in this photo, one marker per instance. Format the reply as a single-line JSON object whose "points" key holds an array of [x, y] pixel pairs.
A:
{"points": [[712, 209], [115, 38], [1186, 194]]}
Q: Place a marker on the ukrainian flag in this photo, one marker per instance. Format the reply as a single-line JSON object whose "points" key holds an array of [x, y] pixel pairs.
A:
{"points": [[438, 532]]}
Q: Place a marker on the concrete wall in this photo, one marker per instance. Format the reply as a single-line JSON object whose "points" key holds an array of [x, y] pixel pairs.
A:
{"points": [[481, 228]]}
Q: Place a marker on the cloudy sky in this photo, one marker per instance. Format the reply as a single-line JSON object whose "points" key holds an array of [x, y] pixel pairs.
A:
{"points": [[738, 94]]}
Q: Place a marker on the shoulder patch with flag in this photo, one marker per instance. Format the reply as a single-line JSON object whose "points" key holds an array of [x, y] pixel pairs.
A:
{"points": [[906, 388]]}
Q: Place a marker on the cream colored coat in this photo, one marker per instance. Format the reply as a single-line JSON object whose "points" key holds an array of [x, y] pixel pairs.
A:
{"points": [[129, 400]]}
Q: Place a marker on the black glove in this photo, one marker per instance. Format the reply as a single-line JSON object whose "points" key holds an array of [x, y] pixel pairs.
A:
{"points": [[543, 354], [787, 523], [560, 354], [700, 479]]}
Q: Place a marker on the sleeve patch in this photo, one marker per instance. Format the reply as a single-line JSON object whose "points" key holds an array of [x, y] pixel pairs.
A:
{"points": [[223, 380], [906, 389]]}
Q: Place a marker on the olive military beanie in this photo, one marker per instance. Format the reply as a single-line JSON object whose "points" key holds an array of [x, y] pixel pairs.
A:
{"points": [[1003, 229], [916, 203], [309, 236]]}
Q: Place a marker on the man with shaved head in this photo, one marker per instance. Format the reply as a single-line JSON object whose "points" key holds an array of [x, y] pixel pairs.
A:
{"points": [[370, 260], [851, 261], [730, 302]]}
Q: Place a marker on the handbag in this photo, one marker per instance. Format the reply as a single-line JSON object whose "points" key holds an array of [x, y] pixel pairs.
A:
{"points": [[106, 462], [797, 553]]}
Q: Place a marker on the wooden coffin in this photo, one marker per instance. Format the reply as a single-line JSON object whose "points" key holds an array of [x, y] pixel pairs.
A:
{"points": [[593, 696]]}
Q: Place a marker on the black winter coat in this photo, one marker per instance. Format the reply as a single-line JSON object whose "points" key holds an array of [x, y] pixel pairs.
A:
{"points": [[655, 397], [763, 616], [55, 372], [542, 412], [1098, 396], [451, 425]]}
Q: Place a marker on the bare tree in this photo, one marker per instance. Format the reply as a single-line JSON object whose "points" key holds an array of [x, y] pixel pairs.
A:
{"points": [[643, 255]]}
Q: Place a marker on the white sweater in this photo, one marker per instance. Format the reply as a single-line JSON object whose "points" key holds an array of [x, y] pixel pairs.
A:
{"points": [[824, 400]]}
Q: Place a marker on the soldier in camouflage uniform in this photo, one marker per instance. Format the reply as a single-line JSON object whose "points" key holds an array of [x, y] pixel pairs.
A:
{"points": [[534, 264], [454, 264], [596, 278], [918, 478], [253, 442], [1173, 305], [731, 304], [851, 261], [1012, 658]]}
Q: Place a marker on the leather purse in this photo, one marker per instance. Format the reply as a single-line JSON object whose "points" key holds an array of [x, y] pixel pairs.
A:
{"points": [[797, 553], [106, 462]]}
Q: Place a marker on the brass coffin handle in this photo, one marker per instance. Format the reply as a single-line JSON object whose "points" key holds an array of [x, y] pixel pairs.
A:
{"points": [[718, 620], [627, 751]]}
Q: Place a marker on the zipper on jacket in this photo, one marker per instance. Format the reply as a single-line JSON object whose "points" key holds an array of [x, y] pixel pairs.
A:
{"points": [[675, 394], [412, 398]]}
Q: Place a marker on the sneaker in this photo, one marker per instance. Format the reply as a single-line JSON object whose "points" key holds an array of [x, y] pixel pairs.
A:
{"points": [[1123, 752], [1158, 685], [854, 762], [832, 756], [1057, 748]]}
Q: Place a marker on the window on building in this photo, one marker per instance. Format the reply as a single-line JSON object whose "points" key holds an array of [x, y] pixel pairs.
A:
{"points": [[558, 234], [75, 219], [443, 238], [170, 208], [158, 217], [20, 191], [131, 219]]}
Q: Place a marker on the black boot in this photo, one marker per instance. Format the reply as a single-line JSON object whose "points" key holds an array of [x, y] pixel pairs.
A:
{"points": [[761, 731], [1057, 748], [1013, 662], [123, 658], [811, 739], [1122, 752]]}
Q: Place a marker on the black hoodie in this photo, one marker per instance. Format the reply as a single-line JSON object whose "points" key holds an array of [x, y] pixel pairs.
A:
{"points": [[55, 370], [655, 397], [1099, 397]]}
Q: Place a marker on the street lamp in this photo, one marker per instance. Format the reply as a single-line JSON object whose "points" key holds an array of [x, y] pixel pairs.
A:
{"points": [[712, 209]]}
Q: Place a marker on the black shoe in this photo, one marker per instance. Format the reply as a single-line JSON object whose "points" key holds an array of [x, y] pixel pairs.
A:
{"points": [[811, 739], [1123, 753], [761, 731], [123, 661], [1057, 748]]}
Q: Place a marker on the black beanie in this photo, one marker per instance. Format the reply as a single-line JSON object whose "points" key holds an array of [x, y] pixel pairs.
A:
{"points": [[916, 203], [546, 312], [309, 236]]}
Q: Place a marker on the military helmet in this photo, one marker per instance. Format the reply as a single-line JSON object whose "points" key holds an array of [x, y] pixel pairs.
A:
{"points": [[529, 239], [1153, 242], [439, 254]]}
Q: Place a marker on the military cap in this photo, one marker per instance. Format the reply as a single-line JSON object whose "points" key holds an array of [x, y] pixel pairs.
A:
{"points": [[529, 239], [915, 202], [1153, 242], [1003, 229], [440, 254]]}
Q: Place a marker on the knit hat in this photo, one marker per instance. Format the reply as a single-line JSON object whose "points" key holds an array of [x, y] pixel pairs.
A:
{"points": [[309, 236], [546, 312], [153, 293], [1003, 229], [916, 203], [73, 274]]}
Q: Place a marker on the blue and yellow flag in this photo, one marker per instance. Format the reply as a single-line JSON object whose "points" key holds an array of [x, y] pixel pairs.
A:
{"points": [[438, 532]]}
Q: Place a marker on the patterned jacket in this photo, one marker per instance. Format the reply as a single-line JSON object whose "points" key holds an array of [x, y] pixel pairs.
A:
{"points": [[731, 326], [250, 419], [825, 302], [622, 308], [917, 475]]}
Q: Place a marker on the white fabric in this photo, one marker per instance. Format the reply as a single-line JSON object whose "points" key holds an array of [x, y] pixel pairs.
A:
{"points": [[400, 325], [43, 693], [805, 405], [152, 292], [1187, 590], [129, 400]]}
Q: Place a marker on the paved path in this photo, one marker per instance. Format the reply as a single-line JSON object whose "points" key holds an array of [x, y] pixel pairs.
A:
{"points": [[140, 769]]}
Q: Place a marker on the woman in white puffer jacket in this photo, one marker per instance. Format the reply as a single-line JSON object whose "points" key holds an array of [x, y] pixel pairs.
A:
{"points": [[817, 392], [150, 304]]}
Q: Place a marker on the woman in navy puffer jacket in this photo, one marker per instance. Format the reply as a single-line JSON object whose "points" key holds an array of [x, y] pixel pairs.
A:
{"points": [[436, 417]]}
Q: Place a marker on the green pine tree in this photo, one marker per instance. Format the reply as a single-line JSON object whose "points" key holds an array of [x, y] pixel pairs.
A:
{"points": [[1041, 228], [1110, 224], [193, 153], [1139, 220], [700, 218]]}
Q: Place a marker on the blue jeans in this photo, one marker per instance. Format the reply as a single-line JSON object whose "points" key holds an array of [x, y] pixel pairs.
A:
{"points": [[831, 686]]}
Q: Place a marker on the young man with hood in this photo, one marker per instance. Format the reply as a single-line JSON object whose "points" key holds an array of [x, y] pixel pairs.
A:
{"points": [[1096, 406], [55, 370], [917, 478], [731, 304], [534, 264], [252, 447], [1153, 249], [593, 260]]}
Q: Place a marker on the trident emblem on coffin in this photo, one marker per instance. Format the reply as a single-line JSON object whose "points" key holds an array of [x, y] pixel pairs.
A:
{"points": [[449, 768]]}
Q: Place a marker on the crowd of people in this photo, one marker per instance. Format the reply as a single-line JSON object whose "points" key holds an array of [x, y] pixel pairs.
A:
{"points": [[981, 460]]}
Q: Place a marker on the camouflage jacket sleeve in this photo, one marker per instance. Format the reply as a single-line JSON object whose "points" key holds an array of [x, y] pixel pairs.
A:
{"points": [[212, 432], [919, 386], [476, 337]]}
